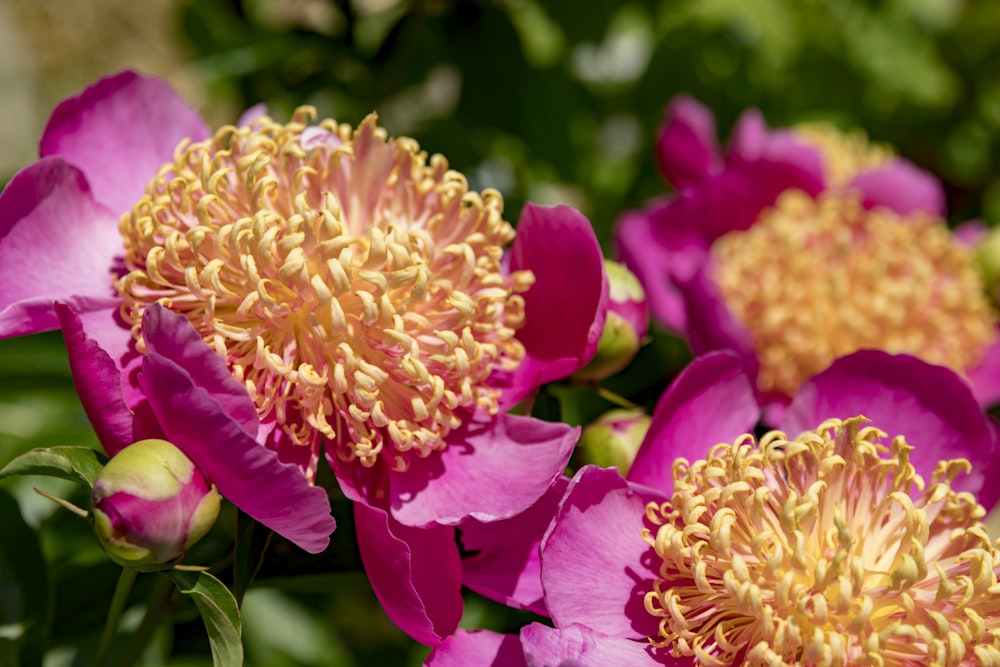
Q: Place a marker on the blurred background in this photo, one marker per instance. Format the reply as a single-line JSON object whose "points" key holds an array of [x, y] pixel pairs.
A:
{"points": [[556, 101]]}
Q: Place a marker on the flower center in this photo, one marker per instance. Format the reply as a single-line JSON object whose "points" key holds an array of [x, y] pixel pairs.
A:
{"points": [[813, 280], [354, 286], [844, 154], [824, 550]]}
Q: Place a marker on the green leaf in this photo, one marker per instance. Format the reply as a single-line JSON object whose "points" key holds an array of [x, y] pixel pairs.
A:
{"points": [[25, 591], [219, 612], [77, 464]]}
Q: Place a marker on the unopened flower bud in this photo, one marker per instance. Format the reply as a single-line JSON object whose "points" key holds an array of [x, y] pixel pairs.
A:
{"points": [[625, 326], [614, 439], [150, 503]]}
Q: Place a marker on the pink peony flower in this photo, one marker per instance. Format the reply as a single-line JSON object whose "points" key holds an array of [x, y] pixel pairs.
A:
{"points": [[751, 552], [800, 246], [345, 294]]}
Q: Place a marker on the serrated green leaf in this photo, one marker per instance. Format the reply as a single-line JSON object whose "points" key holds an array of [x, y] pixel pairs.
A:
{"points": [[77, 464], [218, 611], [25, 591]]}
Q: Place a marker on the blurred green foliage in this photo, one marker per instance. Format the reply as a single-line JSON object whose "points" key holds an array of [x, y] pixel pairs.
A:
{"points": [[552, 101]]}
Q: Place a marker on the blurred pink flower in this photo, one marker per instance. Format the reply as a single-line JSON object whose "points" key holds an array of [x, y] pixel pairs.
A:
{"points": [[297, 291], [626, 566], [801, 245]]}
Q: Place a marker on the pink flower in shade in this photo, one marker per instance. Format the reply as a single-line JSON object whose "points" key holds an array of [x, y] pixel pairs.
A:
{"points": [[344, 293], [800, 246], [770, 552]]}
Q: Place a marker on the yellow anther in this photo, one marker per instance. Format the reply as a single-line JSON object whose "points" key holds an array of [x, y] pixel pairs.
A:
{"points": [[858, 565], [330, 276]]}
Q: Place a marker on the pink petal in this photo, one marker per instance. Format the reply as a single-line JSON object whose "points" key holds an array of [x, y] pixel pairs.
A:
{"points": [[119, 132], [415, 572], [579, 646], [711, 326], [489, 471], [245, 472], [505, 566], [687, 148], [99, 384], [559, 246], [652, 260], [56, 244], [596, 568], [985, 377], [711, 401], [172, 336], [902, 395], [479, 648], [902, 187]]}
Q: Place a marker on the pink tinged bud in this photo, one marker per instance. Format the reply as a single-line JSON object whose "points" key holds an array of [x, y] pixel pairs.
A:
{"points": [[150, 504], [626, 324], [614, 439]]}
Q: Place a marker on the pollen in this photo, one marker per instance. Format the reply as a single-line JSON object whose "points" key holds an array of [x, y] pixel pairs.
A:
{"points": [[352, 284], [844, 154], [815, 279], [824, 550]]}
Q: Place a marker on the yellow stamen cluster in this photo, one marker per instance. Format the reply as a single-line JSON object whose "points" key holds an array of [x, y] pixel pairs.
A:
{"points": [[823, 550], [815, 279], [354, 286], [844, 154]]}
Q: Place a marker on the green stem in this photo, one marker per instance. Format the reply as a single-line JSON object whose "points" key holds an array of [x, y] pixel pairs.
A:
{"points": [[125, 582], [612, 397], [156, 609]]}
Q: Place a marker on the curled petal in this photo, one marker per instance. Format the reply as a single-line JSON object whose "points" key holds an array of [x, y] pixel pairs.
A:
{"points": [[596, 569], [489, 471], [580, 646], [687, 148], [56, 244], [711, 401], [902, 395], [558, 245], [415, 572], [482, 648], [119, 132], [98, 382], [901, 187], [244, 471], [505, 564]]}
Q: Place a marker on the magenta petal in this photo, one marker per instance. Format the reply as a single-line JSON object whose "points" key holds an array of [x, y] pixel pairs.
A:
{"points": [[687, 148], [120, 131], [652, 260], [901, 187], [579, 646], [558, 245], [244, 471], [985, 377], [596, 568], [710, 324], [416, 573], [56, 244], [98, 383], [489, 471], [505, 566], [902, 395], [478, 648], [711, 401], [172, 336]]}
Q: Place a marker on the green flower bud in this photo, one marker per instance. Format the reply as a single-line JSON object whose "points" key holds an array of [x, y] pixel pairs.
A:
{"points": [[625, 326], [613, 440], [150, 504]]}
